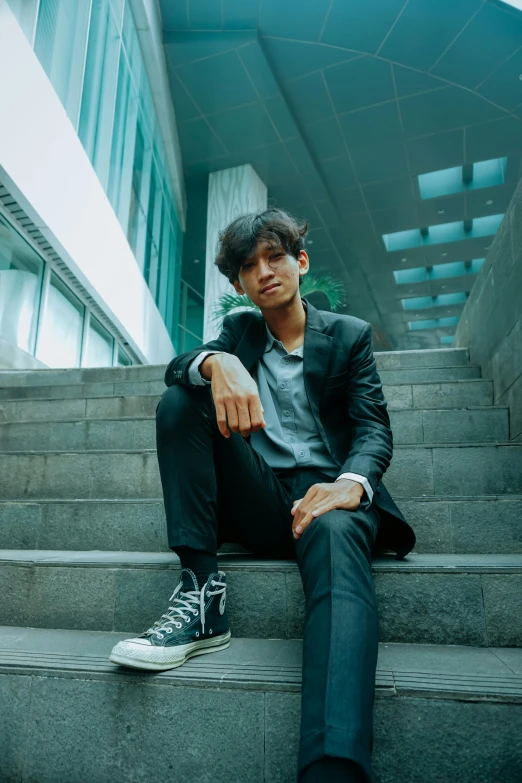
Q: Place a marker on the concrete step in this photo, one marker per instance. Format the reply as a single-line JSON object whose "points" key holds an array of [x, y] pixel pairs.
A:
{"points": [[127, 387], [423, 374], [415, 471], [433, 357], [475, 525], [424, 599], [435, 394], [432, 394], [98, 389], [443, 699], [386, 360], [408, 426]]}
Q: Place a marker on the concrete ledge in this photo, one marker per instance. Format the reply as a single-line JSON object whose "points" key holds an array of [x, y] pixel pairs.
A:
{"points": [[459, 525], [57, 687], [426, 599]]}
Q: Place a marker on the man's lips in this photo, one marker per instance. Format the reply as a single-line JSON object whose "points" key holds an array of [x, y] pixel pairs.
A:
{"points": [[273, 285]]}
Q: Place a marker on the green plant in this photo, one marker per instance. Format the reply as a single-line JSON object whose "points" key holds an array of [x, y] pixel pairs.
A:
{"points": [[312, 284]]}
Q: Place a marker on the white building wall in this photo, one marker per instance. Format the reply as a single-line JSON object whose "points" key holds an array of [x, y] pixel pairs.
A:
{"points": [[44, 165]]}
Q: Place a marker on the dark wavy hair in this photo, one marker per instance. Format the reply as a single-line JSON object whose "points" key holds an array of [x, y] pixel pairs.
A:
{"points": [[239, 239]]}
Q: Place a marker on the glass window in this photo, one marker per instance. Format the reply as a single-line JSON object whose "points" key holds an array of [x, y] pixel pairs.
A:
{"points": [[60, 41], [21, 270], [25, 11], [122, 148], [99, 87], [99, 346], [60, 337], [122, 359]]}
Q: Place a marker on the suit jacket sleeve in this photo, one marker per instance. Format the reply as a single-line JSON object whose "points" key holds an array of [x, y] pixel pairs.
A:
{"points": [[371, 446], [178, 369]]}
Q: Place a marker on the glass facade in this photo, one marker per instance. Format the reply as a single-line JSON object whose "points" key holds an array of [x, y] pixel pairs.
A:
{"points": [[191, 318], [40, 314], [21, 273], [92, 55]]}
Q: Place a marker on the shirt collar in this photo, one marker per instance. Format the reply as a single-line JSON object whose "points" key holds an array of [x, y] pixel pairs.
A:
{"points": [[270, 339]]}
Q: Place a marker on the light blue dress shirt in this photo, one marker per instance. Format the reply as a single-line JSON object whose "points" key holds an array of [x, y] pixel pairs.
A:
{"points": [[290, 438]]}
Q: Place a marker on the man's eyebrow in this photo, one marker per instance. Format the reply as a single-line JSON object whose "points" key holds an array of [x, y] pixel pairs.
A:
{"points": [[275, 249]]}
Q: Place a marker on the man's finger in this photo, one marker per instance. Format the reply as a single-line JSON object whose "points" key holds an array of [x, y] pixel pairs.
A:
{"points": [[221, 417]]}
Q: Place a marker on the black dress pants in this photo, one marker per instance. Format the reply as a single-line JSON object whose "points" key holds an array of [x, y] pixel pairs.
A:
{"points": [[218, 490]]}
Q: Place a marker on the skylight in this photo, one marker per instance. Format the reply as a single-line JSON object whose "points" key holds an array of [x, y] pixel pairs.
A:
{"points": [[473, 176], [443, 300], [445, 232], [433, 323], [422, 274]]}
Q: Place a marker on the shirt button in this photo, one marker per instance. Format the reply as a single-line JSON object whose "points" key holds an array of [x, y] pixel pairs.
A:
{"points": [[287, 413], [293, 440], [301, 453], [285, 361], [283, 386]]}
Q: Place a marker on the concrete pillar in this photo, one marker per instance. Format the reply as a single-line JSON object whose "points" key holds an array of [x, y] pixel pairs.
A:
{"points": [[231, 192]]}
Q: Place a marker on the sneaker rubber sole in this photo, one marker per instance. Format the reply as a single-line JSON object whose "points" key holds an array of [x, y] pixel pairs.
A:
{"points": [[159, 659]]}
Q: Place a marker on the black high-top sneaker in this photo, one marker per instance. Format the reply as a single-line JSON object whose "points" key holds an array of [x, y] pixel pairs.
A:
{"points": [[195, 624]]}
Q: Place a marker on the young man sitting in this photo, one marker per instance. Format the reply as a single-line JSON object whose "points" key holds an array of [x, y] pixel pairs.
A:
{"points": [[276, 436]]}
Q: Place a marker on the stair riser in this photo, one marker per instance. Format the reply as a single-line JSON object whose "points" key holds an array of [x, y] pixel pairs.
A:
{"points": [[423, 374], [424, 608], [449, 394], [82, 390], [457, 527], [394, 360], [444, 426], [402, 397], [414, 472], [385, 361], [126, 723]]}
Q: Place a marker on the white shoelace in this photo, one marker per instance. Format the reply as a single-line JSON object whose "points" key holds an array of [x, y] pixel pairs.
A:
{"points": [[185, 604]]}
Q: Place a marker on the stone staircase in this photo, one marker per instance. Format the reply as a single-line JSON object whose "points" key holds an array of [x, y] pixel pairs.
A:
{"points": [[84, 562]]}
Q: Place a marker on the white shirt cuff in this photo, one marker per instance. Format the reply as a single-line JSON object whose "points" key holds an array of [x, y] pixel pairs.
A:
{"points": [[194, 375], [362, 480]]}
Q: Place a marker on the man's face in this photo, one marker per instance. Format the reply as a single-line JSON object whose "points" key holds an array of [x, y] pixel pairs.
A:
{"points": [[271, 266]]}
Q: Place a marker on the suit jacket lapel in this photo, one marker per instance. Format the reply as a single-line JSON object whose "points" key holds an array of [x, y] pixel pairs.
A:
{"points": [[316, 355]]}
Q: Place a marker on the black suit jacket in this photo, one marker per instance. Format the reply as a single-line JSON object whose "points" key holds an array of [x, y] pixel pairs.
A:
{"points": [[345, 395]]}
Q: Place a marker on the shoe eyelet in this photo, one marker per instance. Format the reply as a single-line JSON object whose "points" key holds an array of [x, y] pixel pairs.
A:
{"points": [[196, 613], [161, 636], [197, 633], [169, 630], [178, 625], [210, 630]]}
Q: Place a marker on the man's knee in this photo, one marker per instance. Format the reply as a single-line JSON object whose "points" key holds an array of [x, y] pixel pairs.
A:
{"points": [[180, 404], [356, 527]]}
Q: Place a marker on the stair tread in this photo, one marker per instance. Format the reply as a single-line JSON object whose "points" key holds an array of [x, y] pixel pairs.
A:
{"points": [[413, 562], [272, 664], [143, 417]]}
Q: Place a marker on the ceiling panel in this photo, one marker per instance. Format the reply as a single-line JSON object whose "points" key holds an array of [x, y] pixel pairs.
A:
{"points": [[339, 135], [360, 24], [468, 61], [425, 29], [293, 59], [444, 109], [370, 81]]}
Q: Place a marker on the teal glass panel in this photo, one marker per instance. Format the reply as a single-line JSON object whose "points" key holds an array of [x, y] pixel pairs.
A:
{"points": [[442, 271], [446, 339], [442, 233], [122, 360], [21, 270], [191, 341], [194, 314], [484, 174], [450, 299], [417, 302], [60, 43], [99, 88], [61, 329], [25, 12], [405, 276], [100, 346], [476, 265]]}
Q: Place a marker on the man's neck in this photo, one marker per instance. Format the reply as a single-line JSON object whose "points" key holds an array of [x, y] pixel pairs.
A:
{"points": [[288, 324]]}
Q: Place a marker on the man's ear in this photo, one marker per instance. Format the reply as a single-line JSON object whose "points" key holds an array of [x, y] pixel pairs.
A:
{"points": [[237, 286]]}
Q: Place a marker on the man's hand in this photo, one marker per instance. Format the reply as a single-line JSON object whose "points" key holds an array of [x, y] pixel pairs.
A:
{"points": [[235, 394], [320, 498]]}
